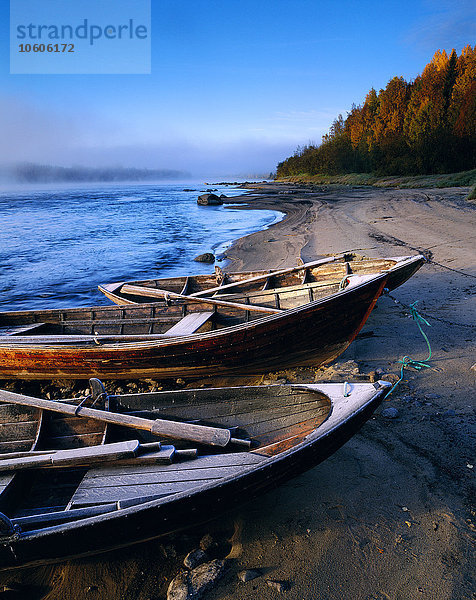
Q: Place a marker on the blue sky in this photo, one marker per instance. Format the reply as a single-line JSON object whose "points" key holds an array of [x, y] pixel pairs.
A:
{"points": [[235, 86]]}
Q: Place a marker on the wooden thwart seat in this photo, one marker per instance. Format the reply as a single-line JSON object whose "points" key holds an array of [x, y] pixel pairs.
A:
{"points": [[190, 323]]}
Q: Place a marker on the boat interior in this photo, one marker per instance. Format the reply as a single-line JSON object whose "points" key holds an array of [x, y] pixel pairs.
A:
{"points": [[309, 283], [266, 420], [175, 317]]}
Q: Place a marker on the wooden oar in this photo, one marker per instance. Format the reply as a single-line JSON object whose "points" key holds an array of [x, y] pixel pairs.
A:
{"points": [[202, 434], [139, 290], [74, 457], [302, 267], [149, 454]]}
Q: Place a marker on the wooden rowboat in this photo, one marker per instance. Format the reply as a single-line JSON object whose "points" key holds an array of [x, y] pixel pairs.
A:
{"points": [[258, 287], [54, 511], [188, 337]]}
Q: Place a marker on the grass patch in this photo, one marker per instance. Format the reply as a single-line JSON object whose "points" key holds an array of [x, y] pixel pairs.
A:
{"points": [[462, 179]]}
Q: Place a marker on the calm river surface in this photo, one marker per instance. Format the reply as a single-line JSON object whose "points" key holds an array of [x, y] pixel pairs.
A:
{"points": [[57, 244]]}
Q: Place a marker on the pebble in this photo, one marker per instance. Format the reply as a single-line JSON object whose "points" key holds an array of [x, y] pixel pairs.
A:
{"points": [[249, 574], [194, 558], [207, 543], [193, 584], [449, 413], [432, 396], [349, 367], [279, 586], [168, 551], [179, 588], [390, 413], [274, 381], [390, 377]]}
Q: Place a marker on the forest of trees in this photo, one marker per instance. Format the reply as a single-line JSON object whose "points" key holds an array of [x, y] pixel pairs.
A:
{"points": [[422, 127]]}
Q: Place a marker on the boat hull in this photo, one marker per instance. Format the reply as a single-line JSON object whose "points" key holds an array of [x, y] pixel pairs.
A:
{"points": [[163, 517], [312, 334]]}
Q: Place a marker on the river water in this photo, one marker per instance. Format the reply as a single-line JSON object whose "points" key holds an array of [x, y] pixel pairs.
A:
{"points": [[57, 244]]}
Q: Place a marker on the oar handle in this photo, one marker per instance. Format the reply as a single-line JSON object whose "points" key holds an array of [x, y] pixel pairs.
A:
{"points": [[202, 434]]}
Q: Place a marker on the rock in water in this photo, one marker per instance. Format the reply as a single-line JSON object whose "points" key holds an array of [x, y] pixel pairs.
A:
{"points": [[208, 257], [192, 585], [209, 200]]}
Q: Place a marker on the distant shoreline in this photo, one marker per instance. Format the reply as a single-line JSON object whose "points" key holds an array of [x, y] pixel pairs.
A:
{"points": [[34, 173]]}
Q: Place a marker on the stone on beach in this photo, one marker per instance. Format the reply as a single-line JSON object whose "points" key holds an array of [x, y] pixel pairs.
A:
{"points": [[194, 558], [207, 257], [193, 584], [209, 200], [390, 413], [249, 575], [279, 586]]}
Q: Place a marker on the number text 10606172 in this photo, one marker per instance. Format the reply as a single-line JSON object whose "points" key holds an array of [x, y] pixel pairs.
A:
{"points": [[46, 48]]}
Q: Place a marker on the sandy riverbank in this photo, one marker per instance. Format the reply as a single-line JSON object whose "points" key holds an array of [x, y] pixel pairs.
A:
{"points": [[388, 517]]}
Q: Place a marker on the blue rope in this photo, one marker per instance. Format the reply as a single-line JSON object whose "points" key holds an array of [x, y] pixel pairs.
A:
{"points": [[406, 361]]}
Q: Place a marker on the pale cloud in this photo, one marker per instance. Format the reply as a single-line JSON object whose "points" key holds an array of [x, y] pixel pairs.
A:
{"points": [[451, 24]]}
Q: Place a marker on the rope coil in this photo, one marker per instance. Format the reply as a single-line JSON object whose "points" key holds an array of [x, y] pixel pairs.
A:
{"points": [[407, 361]]}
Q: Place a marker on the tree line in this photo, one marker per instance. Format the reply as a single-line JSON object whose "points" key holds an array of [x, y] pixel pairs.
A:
{"points": [[424, 126], [34, 173]]}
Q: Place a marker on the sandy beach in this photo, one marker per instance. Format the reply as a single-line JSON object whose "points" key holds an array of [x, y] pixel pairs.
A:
{"points": [[389, 516]]}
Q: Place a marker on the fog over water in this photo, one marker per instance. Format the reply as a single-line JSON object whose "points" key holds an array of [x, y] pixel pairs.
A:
{"points": [[40, 135]]}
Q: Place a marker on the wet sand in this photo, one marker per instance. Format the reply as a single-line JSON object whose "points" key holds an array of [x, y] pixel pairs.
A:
{"points": [[388, 517]]}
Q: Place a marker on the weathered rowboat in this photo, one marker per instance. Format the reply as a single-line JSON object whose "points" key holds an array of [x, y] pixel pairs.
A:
{"points": [[258, 287], [70, 509], [190, 337]]}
